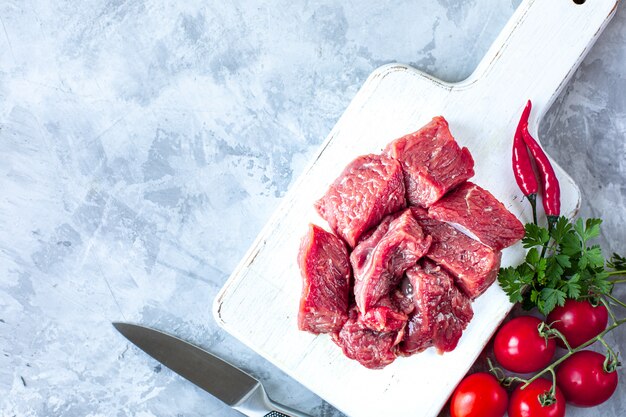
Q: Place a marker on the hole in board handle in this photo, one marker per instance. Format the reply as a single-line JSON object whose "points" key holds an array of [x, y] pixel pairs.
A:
{"points": [[579, 1]]}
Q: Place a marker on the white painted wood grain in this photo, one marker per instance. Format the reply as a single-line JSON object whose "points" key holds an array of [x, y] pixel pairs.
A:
{"points": [[533, 57]]}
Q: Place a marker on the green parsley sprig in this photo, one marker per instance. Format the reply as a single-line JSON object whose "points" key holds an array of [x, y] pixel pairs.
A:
{"points": [[561, 264]]}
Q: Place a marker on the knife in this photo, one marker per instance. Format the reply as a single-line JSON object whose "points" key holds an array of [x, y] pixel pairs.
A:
{"points": [[219, 378]]}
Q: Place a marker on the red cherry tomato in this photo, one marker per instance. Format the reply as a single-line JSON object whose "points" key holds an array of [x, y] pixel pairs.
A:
{"points": [[579, 321], [479, 395], [584, 381], [525, 402], [520, 348]]}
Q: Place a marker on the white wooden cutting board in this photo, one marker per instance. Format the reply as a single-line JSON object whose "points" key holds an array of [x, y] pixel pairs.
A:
{"points": [[533, 57]]}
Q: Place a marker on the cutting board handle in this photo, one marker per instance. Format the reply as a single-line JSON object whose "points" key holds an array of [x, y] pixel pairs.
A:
{"points": [[539, 49]]}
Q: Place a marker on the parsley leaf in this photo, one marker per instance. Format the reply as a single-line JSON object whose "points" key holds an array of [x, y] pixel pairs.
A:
{"points": [[600, 283], [535, 236], [561, 228], [587, 230], [540, 270], [572, 286], [570, 244], [617, 262], [560, 264], [594, 257], [563, 260], [532, 257], [510, 281], [554, 270], [549, 298]]}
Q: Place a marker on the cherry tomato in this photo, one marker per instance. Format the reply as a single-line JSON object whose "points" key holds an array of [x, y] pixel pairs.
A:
{"points": [[584, 381], [520, 348], [579, 321], [525, 402], [479, 395]]}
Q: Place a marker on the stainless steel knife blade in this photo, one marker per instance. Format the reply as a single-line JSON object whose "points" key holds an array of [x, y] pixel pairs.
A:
{"points": [[214, 375]]}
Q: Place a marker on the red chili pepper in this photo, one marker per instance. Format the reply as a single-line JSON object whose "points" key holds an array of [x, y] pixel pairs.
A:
{"points": [[522, 167], [551, 188]]}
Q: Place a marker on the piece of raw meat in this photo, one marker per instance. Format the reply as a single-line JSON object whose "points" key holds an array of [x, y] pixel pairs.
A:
{"points": [[474, 265], [441, 313], [432, 161], [380, 259], [390, 313], [478, 211], [325, 270], [367, 190], [370, 348]]}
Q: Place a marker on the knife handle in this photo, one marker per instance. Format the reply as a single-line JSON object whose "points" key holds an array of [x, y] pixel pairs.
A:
{"points": [[279, 410], [258, 404]]}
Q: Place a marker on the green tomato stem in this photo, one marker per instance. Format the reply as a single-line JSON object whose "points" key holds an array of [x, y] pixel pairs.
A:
{"points": [[553, 388], [563, 339], [499, 374], [554, 364], [496, 372], [615, 300], [609, 309], [611, 361]]}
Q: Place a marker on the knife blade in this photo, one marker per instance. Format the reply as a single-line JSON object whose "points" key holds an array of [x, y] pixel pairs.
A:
{"points": [[219, 378]]}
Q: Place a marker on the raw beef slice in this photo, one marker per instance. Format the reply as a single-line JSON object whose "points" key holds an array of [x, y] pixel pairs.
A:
{"points": [[370, 348], [441, 313], [474, 265], [432, 161], [325, 269], [379, 261], [367, 190], [478, 211]]}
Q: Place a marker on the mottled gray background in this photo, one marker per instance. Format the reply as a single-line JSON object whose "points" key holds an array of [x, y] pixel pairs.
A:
{"points": [[143, 144]]}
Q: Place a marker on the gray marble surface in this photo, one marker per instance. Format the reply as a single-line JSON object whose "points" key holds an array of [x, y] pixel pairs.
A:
{"points": [[143, 144]]}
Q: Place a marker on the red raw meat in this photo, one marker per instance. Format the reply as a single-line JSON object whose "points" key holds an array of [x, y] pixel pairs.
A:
{"points": [[384, 318], [325, 269], [380, 259], [441, 313], [370, 348], [478, 211], [390, 313], [432, 161], [474, 265], [367, 190]]}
